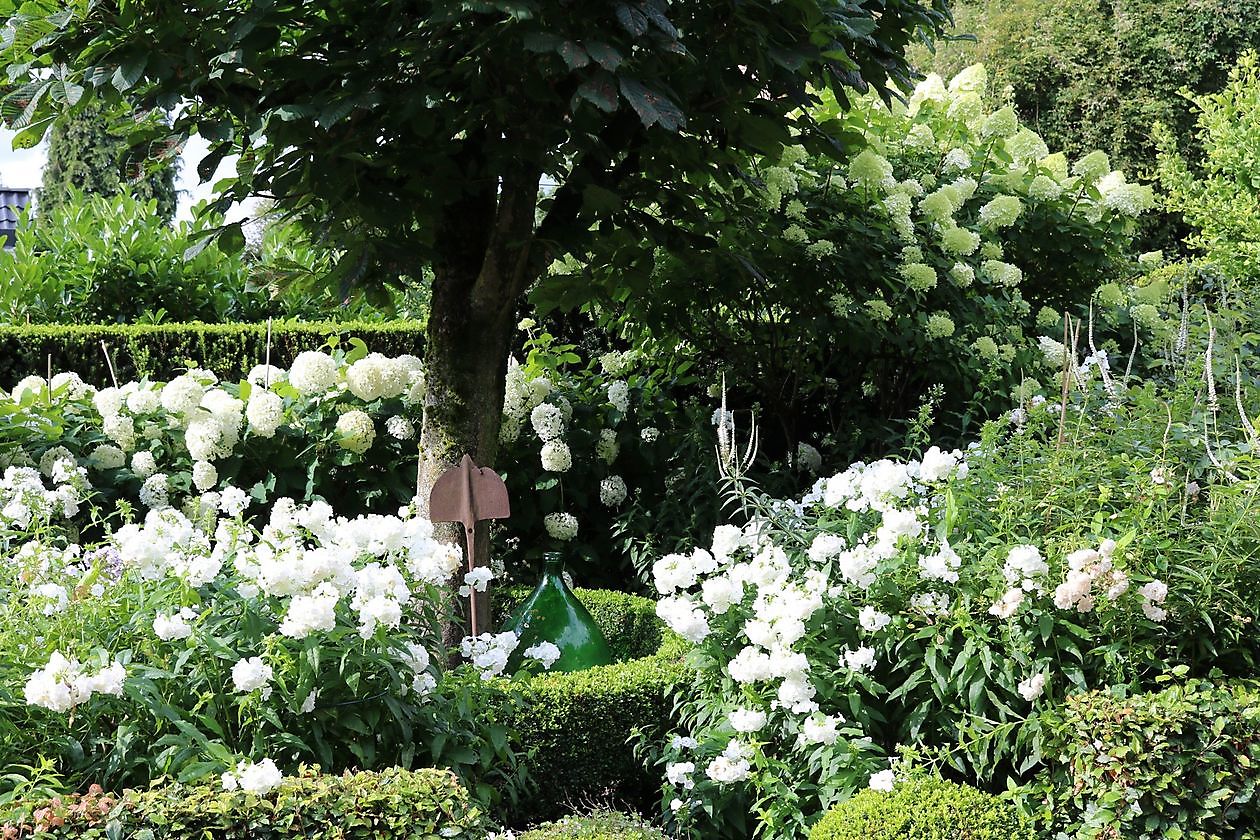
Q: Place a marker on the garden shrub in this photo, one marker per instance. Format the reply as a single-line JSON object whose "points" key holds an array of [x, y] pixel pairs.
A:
{"points": [[939, 603], [1096, 75], [1181, 762], [579, 725], [922, 807], [394, 804], [162, 351], [923, 262], [629, 622], [608, 825]]}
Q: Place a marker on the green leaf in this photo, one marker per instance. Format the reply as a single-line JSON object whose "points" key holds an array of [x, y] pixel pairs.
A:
{"points": [[600, 90], [652, 107]]}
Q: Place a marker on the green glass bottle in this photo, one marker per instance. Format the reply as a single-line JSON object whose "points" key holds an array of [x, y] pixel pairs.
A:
{"points": [[552, 613]]}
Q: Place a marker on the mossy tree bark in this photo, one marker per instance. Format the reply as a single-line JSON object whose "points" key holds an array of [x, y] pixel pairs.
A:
{"points": [[485, 266]]}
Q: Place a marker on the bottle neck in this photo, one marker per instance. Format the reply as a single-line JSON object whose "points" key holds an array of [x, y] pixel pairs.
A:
{"points": [[553, 563]]}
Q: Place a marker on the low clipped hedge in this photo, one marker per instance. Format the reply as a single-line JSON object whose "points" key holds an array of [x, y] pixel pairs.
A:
{"points": [[577, 725], [608, 825], [391, 805], [1182, 762], [161, 351], [922, 807]]}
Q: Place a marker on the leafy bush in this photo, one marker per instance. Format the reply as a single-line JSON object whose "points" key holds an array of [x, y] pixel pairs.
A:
{"points": [[162, 351], [185, 646], [1181, 762], [1218, 194], [934, 603], [1090, 75], [599, 826], [922, 808], [575, 727], [923, 262], [394, 804]]}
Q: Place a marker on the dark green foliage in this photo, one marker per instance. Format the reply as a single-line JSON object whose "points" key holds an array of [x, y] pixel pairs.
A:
{"points": [[578, 724], [160, 351], [1169, 764], [922, 808], [604, 825], [86, 153], [394, 804], [1096, 75]]}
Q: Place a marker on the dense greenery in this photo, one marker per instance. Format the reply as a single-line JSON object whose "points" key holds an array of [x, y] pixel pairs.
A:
{"points": [[922, 808], [598, 826], [1181, 762], [1097, 75], [86, 154], [95, 259], [391, 805], [854, 285], [162, 351]]}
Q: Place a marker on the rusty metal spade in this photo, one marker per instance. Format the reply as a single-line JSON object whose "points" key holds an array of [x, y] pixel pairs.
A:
{"points": [[469, 494]]}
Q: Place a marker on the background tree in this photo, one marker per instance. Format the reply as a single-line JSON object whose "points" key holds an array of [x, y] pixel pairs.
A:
{"points": [[421, 130], [87, 152]]}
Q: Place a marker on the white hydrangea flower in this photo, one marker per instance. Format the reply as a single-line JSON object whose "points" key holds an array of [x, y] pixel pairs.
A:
{"points": [[258, 779], [884, 781], [355, 431], [612, 491], [107, 457], [619, 395], [400, 428], [747, 721], [264, 411], [545, 652], [250, 674], [313, 372], [204, 475], [561, 526], [548, 421], [556, 457], [1031, 688], [489, 652], [650, 434]]}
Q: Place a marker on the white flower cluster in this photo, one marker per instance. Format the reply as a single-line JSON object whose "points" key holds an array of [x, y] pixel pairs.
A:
{"points": [[258, 779], [489, 652], [561, 526], [545, 653], [26, 502], [63, 683]]}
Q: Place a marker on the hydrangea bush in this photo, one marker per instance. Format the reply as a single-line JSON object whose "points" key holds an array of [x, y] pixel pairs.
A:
{"points": [[940, 603], [186, 646], [932, 254]]}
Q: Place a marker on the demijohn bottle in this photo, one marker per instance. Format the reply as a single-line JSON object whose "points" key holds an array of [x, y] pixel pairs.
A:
{"points": [[552, 613]]}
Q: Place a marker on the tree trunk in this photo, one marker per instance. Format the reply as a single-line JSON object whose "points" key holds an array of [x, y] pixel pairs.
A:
{"points": [[472, 317]]}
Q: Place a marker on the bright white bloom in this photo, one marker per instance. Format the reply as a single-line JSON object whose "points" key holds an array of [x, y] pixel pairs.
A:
{"points": [[400, 428], [355, 431], [1024, 567], [233, 500], [943, 565], [478, 580], [63, 684], [649, 434], [143, 464], [263, 376], [258, 779], [182, 395], [264, 411], [619, 395], [154, 493], [250, 674], [937, 465], [311, 613], [820, 729], [684, 618], [884, 781], [489, 652], [561, 526], [732, 765], [545, 652], [204, 475], [1153, 595], [548, 421], [313, 372], [107, 457], [861, 659], [1010, 602], [1032, 688], [172, 627], [556, 457], [679, 774], [612, 491], [747, 721], [872, 620]]}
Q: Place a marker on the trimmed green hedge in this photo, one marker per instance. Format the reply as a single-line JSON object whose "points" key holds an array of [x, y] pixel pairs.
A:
{"points": [[922, 807], [161, 351], [607, 825], [1182, 762], [392, 805], [578, 724]]}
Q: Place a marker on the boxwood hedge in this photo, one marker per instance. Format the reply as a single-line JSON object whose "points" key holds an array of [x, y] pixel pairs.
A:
{"points": [[391, 805], [161, 351], [577, 725], [604, 825], [922, 807]]}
